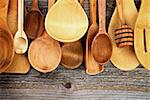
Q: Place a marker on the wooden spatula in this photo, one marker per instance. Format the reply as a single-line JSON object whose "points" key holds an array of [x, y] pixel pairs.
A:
{"points": [[123, 58], [142, 35]]}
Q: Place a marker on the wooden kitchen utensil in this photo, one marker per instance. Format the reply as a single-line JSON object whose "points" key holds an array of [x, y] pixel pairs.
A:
{"points": [[142, 35], [92, 67], [72, 53], [66, 23], [101, 45], [124, 34], [20, 64], [20, 39], [44, 52], [13, 16], [123, 58], [6, 38], [34, 24]]}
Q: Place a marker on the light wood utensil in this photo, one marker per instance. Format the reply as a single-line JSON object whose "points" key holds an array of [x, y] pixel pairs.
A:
{"points": [[123, 58], [92, 67], [72, 53], [124, 34], [44, 52], [101, 45], [20, 65], [13, 16], [20, 38], [73, 19], [6, 38], [34, 24], [142, 35]]}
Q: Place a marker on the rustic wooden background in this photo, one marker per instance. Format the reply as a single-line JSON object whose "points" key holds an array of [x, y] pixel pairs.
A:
{"points": [[64, 84]]}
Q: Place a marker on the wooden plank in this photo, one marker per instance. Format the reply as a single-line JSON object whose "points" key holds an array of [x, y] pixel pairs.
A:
{"points": [[64, 84]]}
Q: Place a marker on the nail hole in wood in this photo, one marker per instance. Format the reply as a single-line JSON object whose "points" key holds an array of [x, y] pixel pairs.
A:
{"points": [[67, 85]]}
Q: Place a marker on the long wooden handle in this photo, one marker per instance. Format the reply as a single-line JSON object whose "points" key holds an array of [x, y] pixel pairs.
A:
{"points": [[120, 11], [20, 14], [102, 13], [93, 11], [4, 8], [34, 4], [50, 3]]}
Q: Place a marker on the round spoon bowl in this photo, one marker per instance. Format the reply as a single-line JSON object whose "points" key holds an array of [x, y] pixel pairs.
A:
{"points": [[34, 26], [44, 54], [72, 55], [7, 49], [74, 23], [102, 48]]}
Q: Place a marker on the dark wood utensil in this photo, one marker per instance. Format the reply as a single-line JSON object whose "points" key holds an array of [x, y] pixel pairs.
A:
{"points": [[34, 24], [102, 45], [6, 38], [92, 67]]}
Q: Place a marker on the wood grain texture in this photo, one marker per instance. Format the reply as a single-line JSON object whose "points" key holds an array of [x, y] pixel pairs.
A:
{"points": [[63, 84]]}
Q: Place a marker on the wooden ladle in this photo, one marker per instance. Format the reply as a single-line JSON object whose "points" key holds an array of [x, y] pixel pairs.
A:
{"points": [[6, 38], [102, 45], [92, 67], [44, 52], [34, 24], [72, 53], [20, 38], [66, 23]]}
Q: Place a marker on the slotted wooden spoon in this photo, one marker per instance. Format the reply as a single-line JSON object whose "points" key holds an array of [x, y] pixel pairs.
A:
{"points": [[92, 67], [142, 34], [34, 24], [20, 38], [73, 19], [101, 45], [123, 58], [44, 52], [13, 16], [6, 38], [72, 53]]}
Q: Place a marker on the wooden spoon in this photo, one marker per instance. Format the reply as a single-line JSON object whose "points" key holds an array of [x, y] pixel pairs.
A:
{"points": [[44, 52], [101, 45], [123, 58], [34, 25], [92, 67], [13, 16], [20, 39], [6, 38], [73, 19], [142, 34], [72, 53], [20, 64]]}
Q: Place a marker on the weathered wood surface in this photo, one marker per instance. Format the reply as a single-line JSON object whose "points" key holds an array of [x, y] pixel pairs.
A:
{"points": [[63, 84]]}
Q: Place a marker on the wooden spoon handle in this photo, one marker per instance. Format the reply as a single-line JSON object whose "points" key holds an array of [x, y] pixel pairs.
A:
{"points": [[120, 11], [50, 3], [102, 13], [93, 10], [20, 14], [34, 4]]}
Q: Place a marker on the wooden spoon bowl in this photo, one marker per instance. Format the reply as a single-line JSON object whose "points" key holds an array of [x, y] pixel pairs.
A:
{"points": [[73, 19], [34, 24], [44, 53]]}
